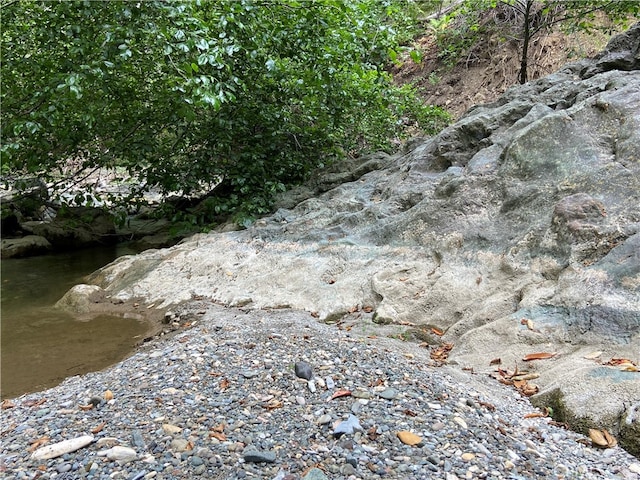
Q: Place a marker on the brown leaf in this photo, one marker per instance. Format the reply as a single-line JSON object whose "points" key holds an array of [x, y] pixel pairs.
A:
{"points": [[34, 403], [367, 309], [37, 444], [354, 309], [7, 404], [99, 428], [224, 384], [219, 428], [409, 413], [273, 404], [372, 433], [437, 331], [488, 406], [441, 353], [340, 393], [377, 382], [535, 415], [602, 438], [538, 356], [84, 408], [495, 361], [218, 435]]}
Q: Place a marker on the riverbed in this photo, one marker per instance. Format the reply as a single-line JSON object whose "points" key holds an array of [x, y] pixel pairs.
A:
{"points": [[41, 346]]}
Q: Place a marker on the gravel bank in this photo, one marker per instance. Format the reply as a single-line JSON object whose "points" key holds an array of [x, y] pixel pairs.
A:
{"points": [[221, 400]]}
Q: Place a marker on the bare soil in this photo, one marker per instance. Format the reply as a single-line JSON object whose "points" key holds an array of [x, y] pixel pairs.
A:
{"points": [[490, 67]]}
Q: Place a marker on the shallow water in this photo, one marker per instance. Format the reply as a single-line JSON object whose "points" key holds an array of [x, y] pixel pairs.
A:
{"points": [[41, 346]]}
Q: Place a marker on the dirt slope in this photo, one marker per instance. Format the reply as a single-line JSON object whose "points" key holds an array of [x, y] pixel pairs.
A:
{"points": [[488, 68]]}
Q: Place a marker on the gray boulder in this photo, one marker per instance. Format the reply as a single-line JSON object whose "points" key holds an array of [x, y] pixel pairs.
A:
{"points": [[515, 230]]}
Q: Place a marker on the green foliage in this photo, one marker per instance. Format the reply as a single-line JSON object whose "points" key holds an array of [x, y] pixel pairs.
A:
{"points": [[247, 94]]}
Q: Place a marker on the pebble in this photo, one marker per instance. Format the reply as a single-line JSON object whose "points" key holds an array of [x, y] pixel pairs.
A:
{"points": [[252, 454], [349, 426], [201, 413], [303, 370]]}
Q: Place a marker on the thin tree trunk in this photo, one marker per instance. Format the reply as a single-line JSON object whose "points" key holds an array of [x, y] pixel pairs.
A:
{"points": [[526, 37]]}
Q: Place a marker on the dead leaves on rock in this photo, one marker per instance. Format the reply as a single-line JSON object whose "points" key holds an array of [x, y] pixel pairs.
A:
{"points": [[518, 379], [602, 438], [441, 354], [623, 364]]}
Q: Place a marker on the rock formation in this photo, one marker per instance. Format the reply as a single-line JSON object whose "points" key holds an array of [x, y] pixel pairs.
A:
{"points": [[515, 230]]}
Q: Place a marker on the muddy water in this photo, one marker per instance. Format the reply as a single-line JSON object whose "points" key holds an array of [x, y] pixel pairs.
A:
{"points": [[40, 346]]}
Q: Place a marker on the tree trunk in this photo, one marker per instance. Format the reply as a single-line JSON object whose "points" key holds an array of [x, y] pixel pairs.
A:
{"points": [[526, 37]]}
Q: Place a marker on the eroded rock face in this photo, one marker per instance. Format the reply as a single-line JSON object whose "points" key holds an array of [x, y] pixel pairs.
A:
{"points": [[527, 208]]}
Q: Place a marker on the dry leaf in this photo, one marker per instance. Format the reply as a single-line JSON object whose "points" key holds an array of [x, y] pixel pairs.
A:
{"points": [[367, 309], [441, 353], [99, 428], [108, 395], [592, 355], [409, 413], [340, 393], [354, 309], [37, 444], [488, 406], [372, 433], [602, 438], [528, 323], [273, 404], [623, 364], [84, 408], [7, 404], [224, 384], [218, 435], [495, 361], [437, 331], [535, 415], [538, 356]]}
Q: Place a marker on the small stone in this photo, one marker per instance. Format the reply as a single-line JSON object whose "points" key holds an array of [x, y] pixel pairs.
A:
{"points": [[312, 386], [303, 370], [361, 393], [348, 470], [323, 419], [330, 383], [315, 474], [467, 457], [409, 438], [300, 400], [196, 461], [252, 454], [137, 440], [349, 426], [171, 429], [250, 373], [120, 454], [179, 445], [388, 393], [460, 422]]}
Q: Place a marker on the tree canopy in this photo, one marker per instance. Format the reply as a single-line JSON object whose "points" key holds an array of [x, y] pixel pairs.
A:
{"points": [[246, 96]]}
